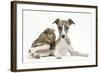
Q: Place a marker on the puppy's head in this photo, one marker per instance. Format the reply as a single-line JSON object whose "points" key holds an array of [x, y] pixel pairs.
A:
{"points": [[63, 26], [61, 22], [50, 35]]}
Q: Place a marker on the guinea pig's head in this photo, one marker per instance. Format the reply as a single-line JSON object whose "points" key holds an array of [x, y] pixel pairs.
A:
{"points": [[49, 32]]}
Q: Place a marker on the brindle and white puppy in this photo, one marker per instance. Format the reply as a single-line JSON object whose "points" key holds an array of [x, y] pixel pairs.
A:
{"points": [[63, 43], [43, 44]]}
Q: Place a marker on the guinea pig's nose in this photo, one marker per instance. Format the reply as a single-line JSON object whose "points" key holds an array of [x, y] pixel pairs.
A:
{"points": [[63, 36]]}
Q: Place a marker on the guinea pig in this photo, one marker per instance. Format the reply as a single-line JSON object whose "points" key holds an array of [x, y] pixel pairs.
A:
{"points": [[44, 43], [47, 36]]}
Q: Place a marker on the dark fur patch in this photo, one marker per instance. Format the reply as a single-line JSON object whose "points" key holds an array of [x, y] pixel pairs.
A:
{"points": [[70, 21], [56, 21]]}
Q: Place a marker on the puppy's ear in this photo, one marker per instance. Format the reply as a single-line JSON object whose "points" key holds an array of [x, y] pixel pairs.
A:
{"points": [[56, 21], [70, 21]]}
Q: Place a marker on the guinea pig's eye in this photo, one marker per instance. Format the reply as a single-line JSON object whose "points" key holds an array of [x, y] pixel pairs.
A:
{"points": [[59, 28], [49, 33]]}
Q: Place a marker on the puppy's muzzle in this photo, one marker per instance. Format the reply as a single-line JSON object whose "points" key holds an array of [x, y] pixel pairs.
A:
{"points": [[63, 36]]}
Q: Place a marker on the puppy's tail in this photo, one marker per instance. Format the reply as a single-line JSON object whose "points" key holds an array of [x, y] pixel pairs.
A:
{"points": [[76, 53]]}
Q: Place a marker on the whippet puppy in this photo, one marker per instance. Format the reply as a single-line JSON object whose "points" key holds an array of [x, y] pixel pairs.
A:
{"points": [[63, 44]]}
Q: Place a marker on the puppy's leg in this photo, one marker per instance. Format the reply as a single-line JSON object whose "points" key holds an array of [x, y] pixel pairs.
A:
{"points": [[37, 51], [57, 55], [38, 48], [34, 55], [76, 53], [52, 52], [57, 52]]}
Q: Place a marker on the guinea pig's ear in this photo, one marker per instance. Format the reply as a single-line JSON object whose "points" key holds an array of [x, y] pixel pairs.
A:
{"points": [[53, 30], [56, 21], [70, 21], [46, 30]]}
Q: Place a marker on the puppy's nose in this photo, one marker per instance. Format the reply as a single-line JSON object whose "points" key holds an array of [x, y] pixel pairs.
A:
{"points": [[63, 36]]}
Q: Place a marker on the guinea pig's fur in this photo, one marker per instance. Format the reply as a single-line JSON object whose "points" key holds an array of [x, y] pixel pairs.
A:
{"points": [[47, 36]]}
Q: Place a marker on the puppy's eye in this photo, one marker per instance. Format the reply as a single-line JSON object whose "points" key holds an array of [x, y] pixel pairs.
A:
{"points": [[66, 28], [60, 28]]}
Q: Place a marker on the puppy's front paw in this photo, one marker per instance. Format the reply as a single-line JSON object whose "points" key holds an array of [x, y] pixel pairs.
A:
{"points": [[75, 53], [58, 57], [57, 54], [37, 57], [85, 55]]}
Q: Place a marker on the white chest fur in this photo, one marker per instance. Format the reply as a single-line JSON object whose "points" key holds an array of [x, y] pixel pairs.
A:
{"points": [[61, 48]]}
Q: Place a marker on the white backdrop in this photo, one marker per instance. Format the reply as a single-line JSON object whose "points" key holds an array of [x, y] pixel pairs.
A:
{"points": [[80, 34], [5, 37]]}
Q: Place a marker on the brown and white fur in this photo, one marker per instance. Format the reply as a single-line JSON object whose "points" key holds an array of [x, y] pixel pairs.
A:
{"points": [[63, 44], [43, 45]]}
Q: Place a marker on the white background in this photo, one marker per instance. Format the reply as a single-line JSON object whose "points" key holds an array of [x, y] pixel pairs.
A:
{"points": [[80, 33], [5, 37]]}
